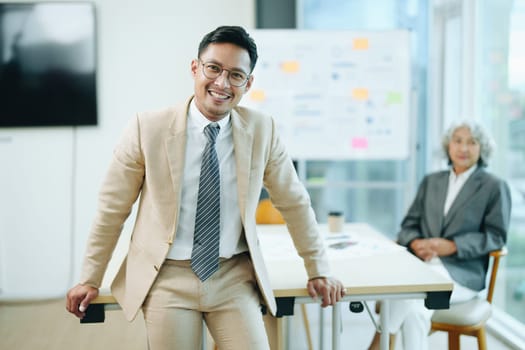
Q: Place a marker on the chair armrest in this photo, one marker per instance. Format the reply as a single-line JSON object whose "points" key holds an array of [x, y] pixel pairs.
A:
{"points": [[499, 253], [496, 255]]}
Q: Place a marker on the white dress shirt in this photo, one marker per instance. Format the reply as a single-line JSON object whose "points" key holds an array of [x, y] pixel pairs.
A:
{"points": [[455, 184], [232, 239]]}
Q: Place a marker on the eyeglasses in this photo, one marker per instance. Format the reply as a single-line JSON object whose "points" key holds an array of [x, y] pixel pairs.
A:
{"points": [[212, 70]]}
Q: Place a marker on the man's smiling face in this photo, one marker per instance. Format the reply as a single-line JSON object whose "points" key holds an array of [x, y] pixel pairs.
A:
{"points": [[216, 97]]}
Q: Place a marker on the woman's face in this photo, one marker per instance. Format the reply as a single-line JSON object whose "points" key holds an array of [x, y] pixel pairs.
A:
{"points": [[463, 150]]}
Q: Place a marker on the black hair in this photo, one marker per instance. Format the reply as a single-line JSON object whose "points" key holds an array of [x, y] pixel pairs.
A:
{"points": [[231, 34]]}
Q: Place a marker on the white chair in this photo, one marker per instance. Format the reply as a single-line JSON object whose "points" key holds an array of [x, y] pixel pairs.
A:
{"points": [[470, 317]]}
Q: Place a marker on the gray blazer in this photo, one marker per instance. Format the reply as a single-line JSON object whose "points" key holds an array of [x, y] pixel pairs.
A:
{"points": [[477, 222]]}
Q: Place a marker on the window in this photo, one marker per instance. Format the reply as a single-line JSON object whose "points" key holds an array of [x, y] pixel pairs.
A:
{"points": [[470, 55], [373, 191], [480, 70], [500, 102]]}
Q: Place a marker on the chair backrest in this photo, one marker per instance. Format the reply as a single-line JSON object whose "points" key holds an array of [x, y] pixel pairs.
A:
{"points": [[496, 256], [267, 214], [460, 318]]}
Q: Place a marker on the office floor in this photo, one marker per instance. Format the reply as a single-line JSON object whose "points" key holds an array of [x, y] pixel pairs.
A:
{"points": [[45, 325]]}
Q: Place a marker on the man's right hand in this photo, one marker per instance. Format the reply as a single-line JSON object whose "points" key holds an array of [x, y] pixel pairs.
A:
{"points": [[78, 299]]}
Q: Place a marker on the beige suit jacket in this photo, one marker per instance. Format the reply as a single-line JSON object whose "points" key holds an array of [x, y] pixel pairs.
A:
{"points": [[147, 165]]}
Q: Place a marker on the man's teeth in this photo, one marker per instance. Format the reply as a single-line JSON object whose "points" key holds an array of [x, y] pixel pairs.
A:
{"points": [[215, 94]]}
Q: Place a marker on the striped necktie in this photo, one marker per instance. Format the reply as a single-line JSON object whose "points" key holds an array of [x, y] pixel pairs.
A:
{"points": [[205, 254]]}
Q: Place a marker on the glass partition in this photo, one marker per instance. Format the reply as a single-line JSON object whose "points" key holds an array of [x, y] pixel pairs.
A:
{"points": [[500, 103]]}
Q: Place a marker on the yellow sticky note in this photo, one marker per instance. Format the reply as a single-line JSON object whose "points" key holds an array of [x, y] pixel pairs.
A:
{"points": [[290, 66], [360, 94], [257, 95], [360, 44]]}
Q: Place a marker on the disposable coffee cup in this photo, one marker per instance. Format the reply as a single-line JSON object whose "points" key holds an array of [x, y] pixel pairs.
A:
{"points": [[336, 221]]}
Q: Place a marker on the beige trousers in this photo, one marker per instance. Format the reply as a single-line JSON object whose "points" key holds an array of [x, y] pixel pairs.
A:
{"points": [[228, 302]]}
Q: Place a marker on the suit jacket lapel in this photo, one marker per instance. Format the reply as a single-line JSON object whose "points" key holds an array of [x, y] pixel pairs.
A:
{"points": [[242, 140], [470, 187], [176, 150], [440, 196]]}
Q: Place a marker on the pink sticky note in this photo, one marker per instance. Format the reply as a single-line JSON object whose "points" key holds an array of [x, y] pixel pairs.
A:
{"points": [[359, 142]]}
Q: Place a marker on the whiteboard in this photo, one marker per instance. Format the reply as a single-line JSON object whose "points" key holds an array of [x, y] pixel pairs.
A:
{"points": [[335, 94]]}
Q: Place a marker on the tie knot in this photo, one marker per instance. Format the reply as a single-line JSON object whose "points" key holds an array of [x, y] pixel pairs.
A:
{"points": [[211, 131]]}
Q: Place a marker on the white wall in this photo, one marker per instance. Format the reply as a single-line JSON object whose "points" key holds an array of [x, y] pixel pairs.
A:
{"points": [[51, 176]]}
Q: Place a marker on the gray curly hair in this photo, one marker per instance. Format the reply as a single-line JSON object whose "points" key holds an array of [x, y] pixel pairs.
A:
{"points": [[486, 143]]}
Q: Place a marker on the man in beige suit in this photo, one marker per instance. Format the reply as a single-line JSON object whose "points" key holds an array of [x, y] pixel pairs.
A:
{"points": [[158, 161]]}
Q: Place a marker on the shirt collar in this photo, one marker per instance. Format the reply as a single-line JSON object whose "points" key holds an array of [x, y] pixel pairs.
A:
{"points": [[464, 175], [201, 121]]}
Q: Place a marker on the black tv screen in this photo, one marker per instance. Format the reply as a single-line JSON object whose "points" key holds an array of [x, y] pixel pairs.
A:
{"points": [[47, 64]]}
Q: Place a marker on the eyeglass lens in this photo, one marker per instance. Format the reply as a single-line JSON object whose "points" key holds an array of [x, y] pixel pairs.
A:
{"points": [[235, 77]]}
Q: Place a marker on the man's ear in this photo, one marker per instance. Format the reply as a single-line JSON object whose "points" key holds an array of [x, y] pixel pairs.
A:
{"points": [[194, 66], [248, 84]]}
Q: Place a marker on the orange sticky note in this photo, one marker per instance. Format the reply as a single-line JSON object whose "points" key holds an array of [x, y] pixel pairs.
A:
{"points": [[360, 94], [257, 95], [290, 66], [360, 44]]}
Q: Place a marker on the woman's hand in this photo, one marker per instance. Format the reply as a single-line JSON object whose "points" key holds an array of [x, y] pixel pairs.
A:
{"points": [[428, 248]]}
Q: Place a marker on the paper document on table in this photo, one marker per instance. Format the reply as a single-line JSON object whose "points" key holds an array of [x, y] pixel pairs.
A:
{"points": [[343, 245], [339, 245]]}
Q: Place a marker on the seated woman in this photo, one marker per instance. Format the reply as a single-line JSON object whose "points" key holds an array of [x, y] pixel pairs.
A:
{"points": [[457, 217]]}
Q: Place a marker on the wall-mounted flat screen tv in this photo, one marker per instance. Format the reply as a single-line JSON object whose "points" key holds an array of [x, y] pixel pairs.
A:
{"points": [[47, 64]]}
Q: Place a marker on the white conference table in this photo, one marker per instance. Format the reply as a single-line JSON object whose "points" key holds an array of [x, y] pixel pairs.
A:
{"points": [[370, 266]]}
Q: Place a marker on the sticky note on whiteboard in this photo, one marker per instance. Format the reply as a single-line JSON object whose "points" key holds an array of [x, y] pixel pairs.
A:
{"points": [[360, 142], [360, 44], [360, 94], [257, 95], [290, 66], [394, 98]]}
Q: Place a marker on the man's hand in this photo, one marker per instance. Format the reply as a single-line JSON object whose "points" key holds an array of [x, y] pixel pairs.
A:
{"points": [[330, 289], [78, 299]]}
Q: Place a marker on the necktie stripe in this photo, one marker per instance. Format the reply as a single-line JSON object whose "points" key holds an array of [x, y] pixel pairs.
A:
{"points": [[205, 253]]}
